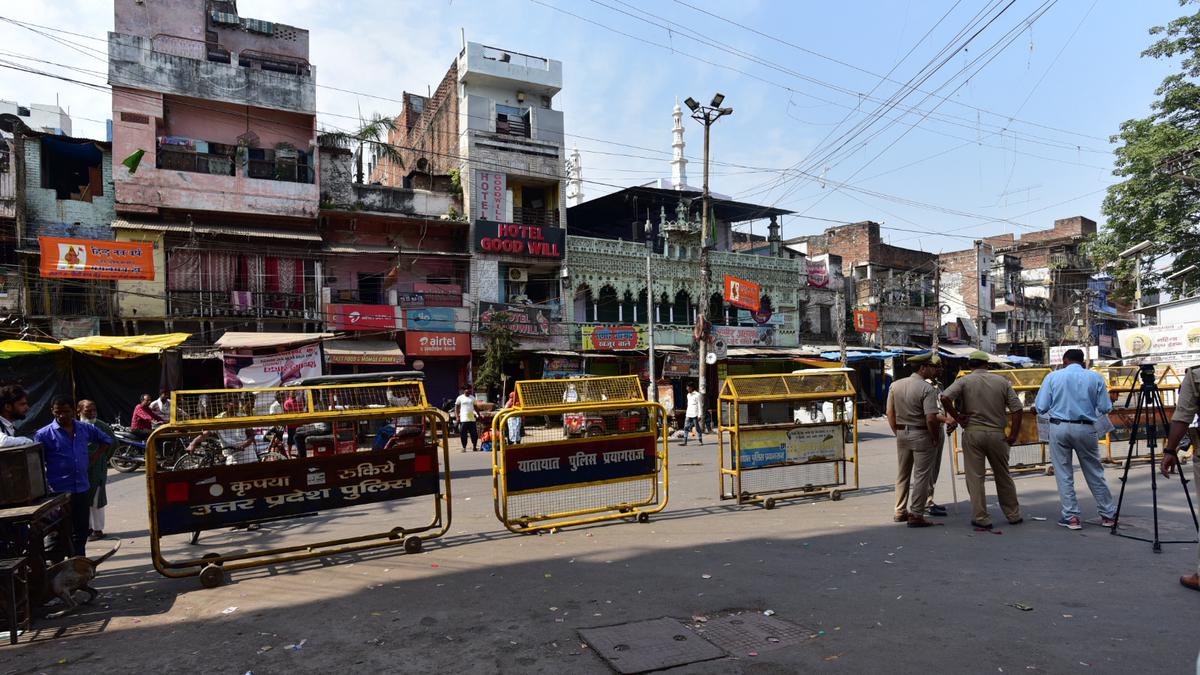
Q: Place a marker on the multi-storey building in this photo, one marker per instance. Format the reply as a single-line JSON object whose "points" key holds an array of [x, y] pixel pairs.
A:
{"points": [[894, 283], [489, 135], [221, 111], [968, 291]]}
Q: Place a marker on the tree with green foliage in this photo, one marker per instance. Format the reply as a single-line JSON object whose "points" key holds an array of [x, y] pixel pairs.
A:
{"points": [[500, 345], [1159, 160]]}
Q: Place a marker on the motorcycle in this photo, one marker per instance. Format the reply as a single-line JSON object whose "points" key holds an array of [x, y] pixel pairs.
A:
{"points": [[130, 454]]}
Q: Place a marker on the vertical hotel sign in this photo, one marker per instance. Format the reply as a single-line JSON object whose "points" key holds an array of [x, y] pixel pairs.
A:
{"points": [[91, 259], [490, 188]]}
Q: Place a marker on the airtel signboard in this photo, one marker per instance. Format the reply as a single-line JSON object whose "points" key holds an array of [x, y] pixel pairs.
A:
{"points": [[420, 343]]}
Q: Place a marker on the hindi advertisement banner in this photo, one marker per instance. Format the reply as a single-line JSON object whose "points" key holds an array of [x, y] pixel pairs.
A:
{"points": [[612, 338], [681, 365], [799, 445], [818, 273], [225, 495], [763, 317], [745, 336], [865, 322], [535, 467], [562, 367], [1157, 340], [272, 370], [524, 320], [364, 317], [742, 293], [91, 259]]}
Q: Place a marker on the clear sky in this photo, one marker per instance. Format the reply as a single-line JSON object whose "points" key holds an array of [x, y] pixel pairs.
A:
{"points": [[1018, 143]]}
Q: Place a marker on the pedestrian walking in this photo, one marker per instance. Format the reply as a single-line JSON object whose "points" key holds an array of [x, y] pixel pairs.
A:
{"points": [[1073, 400], [97, 470], [465, 414], [65, 442], [1186, 408], [984, 401], [693, 416], [913, 416], [162, 404]]}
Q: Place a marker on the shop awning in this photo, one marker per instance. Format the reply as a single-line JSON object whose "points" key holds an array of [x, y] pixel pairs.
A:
{"points": [[816, 363], [852, 356], [242, 340], [125, 346], [363, 352], [784, 353], [10, 348]]}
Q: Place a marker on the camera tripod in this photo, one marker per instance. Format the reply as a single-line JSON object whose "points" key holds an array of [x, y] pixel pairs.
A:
{"points": [[1151, 413]]}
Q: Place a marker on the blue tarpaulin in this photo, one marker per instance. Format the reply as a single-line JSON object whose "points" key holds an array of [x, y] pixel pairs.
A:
{"points": [[858, 356]]}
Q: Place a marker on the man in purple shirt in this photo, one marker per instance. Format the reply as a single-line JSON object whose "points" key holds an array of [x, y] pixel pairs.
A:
{"points": [[65, 442]]}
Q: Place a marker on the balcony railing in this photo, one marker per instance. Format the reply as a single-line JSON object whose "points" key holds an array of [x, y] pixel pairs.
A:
{"points": [[535, 217], [202, 50], [222, 159], [61, 301], [244, 303], [182, 160]]}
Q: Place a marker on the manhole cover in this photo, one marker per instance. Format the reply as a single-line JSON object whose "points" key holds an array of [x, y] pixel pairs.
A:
{"points": [[740, 634], [649, 645]]}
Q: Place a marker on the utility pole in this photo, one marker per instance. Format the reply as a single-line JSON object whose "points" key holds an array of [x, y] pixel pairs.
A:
{"points": [[840, 325], [706, 115], [937, 306], [879, 304]]}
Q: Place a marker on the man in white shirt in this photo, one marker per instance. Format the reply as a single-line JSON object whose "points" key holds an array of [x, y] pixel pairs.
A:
{"points": [[14, 405], [162, 404], [695, 411], [464, 414]]}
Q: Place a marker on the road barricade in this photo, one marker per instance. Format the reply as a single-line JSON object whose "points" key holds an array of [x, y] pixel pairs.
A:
{"points": [[785, 436], [1122, 380], [326, 447], [578, 451], [1029, 453]]}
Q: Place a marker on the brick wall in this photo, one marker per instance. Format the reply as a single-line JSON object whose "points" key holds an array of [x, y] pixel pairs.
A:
{"points": [[50, 216], [431, 134]]}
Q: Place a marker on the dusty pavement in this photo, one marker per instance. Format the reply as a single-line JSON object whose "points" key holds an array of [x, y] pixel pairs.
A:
{"points": [[871, 596]]}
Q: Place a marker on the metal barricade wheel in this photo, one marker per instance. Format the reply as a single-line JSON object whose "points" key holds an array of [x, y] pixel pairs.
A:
{"points": [[768, 503], [212, 576], [1049, 470], [412, 545], [835, 495], [643, 517]]}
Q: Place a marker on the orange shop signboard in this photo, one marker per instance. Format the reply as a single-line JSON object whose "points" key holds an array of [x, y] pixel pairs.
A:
{"points": [[742, 293], [865, 322], [421, 343], [93, 259]]}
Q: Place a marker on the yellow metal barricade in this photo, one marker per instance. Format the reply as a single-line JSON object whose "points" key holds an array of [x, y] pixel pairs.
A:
{"points": [[241, 458], [1122, 381], [578, 451], [785, 436], [1029, 453]]}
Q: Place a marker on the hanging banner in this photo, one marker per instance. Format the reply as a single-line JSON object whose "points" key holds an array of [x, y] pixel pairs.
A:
{"points": [[490, 188], [798, 445], [524, 320], [612, 338], [818, 273], [742, 293], [865, 322], [745, 336], [526, 241], [929, 319], [272, 370], [1155, 340], [92, 259], [562, 367], [438, 319], [681, 365]]}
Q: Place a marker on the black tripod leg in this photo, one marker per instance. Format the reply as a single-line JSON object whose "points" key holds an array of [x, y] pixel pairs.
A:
{"points": [[1151, 445], [1133, 434]]}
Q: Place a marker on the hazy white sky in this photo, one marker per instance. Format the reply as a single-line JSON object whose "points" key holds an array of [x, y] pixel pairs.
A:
{"points": [[1020, 142]]}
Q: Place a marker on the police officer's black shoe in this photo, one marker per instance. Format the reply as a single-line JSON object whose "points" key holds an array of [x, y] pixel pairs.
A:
{"points": [[981, 526], [936, 510]]}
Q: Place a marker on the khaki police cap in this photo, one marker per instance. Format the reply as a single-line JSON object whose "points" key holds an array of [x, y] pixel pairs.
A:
{"points": [[929, 358], [978, 355]]}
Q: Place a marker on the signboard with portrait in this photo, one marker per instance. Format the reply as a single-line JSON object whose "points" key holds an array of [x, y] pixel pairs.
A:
{"points": [[91, 259], [272, 370], [742, 293], [865, 322], [524, 320], [562, 367], [1157, 340]]}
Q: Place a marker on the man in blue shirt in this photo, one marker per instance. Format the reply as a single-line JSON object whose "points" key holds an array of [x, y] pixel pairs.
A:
{"points": [[65, 442], [1073, 399]]}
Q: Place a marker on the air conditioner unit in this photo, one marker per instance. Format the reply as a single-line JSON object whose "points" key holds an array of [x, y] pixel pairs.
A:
{"points": [[518, 274]]}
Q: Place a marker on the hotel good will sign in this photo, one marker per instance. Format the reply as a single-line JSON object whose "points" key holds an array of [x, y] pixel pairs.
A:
{"points": [[524, 241], [490, 189]]}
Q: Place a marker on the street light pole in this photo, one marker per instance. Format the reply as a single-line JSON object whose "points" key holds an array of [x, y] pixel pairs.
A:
{"points": [[653, 392], [705, 115], [1135, 252]]}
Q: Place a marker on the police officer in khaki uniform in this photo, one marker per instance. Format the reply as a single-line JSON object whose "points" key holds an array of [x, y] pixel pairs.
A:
{"points": [[913, 415], [985, 400], [1186, 408]]}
